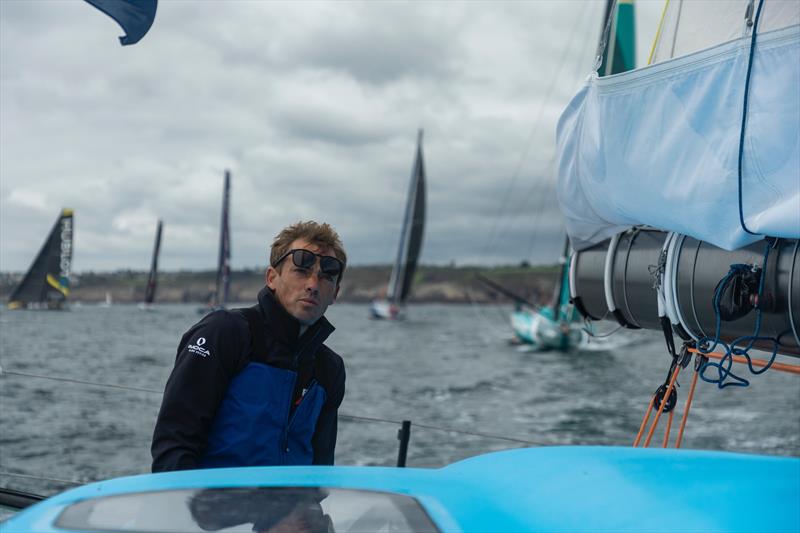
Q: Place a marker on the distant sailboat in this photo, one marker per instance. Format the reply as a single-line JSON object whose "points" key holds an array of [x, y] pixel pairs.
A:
{"points": [[152, 278], [220, 297], [46, 284], [108, 302], [408, 251], [555, 327]]}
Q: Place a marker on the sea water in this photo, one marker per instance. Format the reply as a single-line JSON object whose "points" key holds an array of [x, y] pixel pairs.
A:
{"points": [[80, 391]]}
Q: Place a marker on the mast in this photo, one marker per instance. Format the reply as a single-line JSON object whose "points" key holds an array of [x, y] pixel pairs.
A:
{"points": [[46, 283], [223, 262], [562, 292], [150, 292], [411, 232]]}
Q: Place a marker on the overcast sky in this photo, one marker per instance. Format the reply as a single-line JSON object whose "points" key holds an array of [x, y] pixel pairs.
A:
{"points": [[314, 107]]}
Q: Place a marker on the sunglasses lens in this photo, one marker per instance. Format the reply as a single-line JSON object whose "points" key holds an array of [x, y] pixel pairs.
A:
{"points": [[303, 258], [330, 265]]}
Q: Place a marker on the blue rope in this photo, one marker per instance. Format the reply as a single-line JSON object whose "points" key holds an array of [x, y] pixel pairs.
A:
{"points": [[723, 367], [744, 113]]}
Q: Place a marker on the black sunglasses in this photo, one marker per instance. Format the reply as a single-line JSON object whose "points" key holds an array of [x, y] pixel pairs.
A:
{"points": [[305, 259]]}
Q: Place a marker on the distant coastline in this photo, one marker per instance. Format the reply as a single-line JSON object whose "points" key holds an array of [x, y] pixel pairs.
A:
{"points": [[440, 284]]}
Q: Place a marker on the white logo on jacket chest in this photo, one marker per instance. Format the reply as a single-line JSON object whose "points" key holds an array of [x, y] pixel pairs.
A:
{"points": [[197, 348]]}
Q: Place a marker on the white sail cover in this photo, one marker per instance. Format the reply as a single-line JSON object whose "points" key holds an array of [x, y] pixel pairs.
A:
{"points": [[659, 146]]}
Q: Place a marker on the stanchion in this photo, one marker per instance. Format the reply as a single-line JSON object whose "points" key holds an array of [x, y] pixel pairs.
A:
{"points": [[403, 434]]}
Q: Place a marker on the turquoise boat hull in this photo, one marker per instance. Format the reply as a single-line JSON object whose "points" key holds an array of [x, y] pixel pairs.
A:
{"points": [[559, 489]]}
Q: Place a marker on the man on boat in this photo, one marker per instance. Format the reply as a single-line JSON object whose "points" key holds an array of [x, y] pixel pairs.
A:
{"points": [[256, 386]]}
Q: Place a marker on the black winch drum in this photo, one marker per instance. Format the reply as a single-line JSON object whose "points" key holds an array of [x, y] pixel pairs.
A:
{"points": [[586, 281], [699, 268], [627, 293], [616, 280]]}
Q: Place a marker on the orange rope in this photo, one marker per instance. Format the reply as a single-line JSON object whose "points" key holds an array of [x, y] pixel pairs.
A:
{"points": [[663, 404], [793, 369], [644, 421], [688, 406], [667, 431]]}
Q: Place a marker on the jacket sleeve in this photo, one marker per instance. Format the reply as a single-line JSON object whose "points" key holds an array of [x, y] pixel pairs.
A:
{"points": [[324, 439], [208, 357]]}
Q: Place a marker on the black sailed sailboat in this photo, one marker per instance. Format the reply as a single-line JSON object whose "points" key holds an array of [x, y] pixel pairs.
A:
{"points": [[46, 284], [219, 298], [152, 278], [224, 260], [411, 235]]}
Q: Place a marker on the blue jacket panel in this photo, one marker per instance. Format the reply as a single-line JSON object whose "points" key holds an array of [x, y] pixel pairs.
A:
{"points": [[254, 427]]}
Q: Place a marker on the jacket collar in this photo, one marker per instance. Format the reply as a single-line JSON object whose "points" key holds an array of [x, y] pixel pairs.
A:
{"points": [[286, 328]]}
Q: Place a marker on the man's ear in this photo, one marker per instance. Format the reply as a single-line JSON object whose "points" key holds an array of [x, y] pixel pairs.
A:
{"points": [[270, 277], [336, 293]]}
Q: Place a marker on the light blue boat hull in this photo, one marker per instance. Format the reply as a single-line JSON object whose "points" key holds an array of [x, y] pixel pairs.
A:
{"points": [[557, 489], [538, 329]]}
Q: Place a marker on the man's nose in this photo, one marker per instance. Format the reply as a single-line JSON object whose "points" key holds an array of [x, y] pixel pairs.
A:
{"points": [[312, 281]]}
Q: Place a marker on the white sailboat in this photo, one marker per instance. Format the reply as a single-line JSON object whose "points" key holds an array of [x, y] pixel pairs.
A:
{"points": [[108, 302], [411, 235]]}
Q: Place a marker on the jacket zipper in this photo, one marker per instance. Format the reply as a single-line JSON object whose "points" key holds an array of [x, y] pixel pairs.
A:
{"points": [[289, 416], [311, 385]]}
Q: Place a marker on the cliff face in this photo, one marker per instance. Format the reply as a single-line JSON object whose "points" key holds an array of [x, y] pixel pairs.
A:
{"points": [[360, 284]]}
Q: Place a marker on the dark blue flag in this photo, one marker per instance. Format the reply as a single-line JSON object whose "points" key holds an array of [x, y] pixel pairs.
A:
{"points": [[135, 16]]}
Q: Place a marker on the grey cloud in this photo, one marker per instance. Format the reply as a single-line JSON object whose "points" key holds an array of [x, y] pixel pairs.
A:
{"points": [[314, 106]]}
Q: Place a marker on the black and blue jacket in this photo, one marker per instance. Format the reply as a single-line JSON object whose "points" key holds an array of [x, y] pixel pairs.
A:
{"points": [[247, 390]]}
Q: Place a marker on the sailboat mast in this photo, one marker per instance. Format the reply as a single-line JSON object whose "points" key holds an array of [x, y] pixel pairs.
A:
{"points": [[223, 263], [560, 293], [152, 279], [395, 290]]}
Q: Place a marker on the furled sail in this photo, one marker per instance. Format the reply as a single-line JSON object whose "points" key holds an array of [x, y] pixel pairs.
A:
{"points": [[152, 279], [411, 234], [704, 142], [46, 284]]}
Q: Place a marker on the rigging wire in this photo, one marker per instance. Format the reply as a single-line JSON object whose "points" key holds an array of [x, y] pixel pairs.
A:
{"points": [[492, 239], [355, 418], [81, 382], [442, 429]]}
